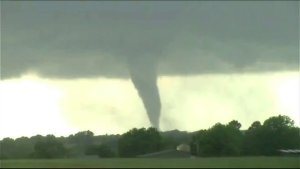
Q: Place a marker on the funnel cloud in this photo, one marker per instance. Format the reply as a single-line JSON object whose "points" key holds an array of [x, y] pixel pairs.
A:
{"points": [[144, 77]]}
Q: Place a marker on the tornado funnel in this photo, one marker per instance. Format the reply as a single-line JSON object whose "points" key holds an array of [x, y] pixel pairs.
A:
{"points": [[143, 75]]}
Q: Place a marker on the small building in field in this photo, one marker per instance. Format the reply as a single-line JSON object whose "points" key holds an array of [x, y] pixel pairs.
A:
{"points": [[181, 151], [290, 152], [184, 148], [167, 154]]}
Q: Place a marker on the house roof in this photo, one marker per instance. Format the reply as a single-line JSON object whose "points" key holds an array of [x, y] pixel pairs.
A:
{"points": [[290, 150], [167, 154]]}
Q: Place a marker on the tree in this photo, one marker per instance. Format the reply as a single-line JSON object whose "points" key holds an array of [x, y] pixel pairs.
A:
{"points": [[80, 142], [276, 133], [279, 132], [83, 138], [235, 138], [201, 138], [279, 122], [102, 150], [105, 151], [220, 140], [49, 147], [234, 124], [139, 141], [255, 125], [24, 146], [252, 140], [7, 148]]}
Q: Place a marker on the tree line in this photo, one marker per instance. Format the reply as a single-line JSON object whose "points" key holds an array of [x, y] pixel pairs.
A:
{"points": [[275, 133]]}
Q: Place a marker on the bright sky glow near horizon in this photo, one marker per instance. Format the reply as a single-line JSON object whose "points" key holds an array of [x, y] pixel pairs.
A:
{"points": [[70, 66], [43, 106]]}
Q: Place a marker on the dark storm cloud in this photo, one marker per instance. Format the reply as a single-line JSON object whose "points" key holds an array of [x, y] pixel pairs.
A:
{"points": [[83, 39]]}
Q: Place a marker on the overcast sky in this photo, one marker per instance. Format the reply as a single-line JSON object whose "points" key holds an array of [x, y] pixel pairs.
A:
{"points": [[80, 39], [231, 55]]}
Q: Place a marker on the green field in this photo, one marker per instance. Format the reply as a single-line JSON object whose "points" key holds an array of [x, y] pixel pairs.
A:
{"points": [[231, 162]]}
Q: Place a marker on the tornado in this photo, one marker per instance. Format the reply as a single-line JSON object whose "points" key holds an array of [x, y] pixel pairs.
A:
{"points": [[143, 75]]}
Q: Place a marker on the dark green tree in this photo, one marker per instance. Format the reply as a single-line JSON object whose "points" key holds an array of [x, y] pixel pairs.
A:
{"points": [[24, 146], [104, 151], [220, 140], [252, 140], [276, 133], [279, 132], [7, 148], [234, 124], [201, 138], [139, 141], [49, 147], [79, 143], [83, 138]]}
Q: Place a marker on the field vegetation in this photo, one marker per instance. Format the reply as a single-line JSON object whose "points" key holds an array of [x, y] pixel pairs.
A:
{"points": [[211, 162]]}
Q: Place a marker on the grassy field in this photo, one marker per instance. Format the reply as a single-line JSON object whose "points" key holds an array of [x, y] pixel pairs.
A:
{"points": [[231, 162]]}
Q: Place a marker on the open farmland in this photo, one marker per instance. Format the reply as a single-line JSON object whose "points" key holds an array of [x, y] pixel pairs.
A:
{"points": [[231, 162]]}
